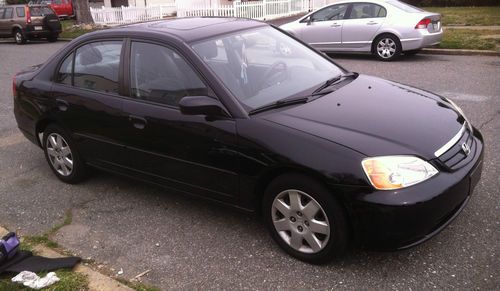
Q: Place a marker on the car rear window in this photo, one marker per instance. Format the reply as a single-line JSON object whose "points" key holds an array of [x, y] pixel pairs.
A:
{"points": [[40, 11], [405, 7]]}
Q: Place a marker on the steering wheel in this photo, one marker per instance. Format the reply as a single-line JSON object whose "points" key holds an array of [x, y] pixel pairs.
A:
{"points": [[276, 73]]}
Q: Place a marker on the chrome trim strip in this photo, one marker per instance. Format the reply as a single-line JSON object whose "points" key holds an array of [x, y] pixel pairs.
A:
{"points": [[451, 142], [320, 43]]}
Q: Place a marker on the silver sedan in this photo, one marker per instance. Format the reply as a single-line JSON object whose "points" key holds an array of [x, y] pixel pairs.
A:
{"points": [[385, 28]]}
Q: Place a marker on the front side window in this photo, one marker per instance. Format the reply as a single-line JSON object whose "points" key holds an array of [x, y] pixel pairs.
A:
{"points": [[263, 65], [335, 12], [367, 10], [160, 75], [97, 66]]}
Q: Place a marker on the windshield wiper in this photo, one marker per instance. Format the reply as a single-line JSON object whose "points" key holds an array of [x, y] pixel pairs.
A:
{"points": [[333, 81], [280, 103]]}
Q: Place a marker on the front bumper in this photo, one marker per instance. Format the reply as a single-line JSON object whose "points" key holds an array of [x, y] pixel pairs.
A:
{"points": [[388, 220], [424, 39]]}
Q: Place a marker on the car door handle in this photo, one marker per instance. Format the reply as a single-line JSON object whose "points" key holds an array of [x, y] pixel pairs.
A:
{"points": [[335, 25], [137, 122], [372, 23], [62, 104]]}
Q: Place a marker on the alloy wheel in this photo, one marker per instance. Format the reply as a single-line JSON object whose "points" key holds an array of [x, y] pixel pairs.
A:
{"points": [[19, 37], [386, 48], [300, 221], [59, 154]]}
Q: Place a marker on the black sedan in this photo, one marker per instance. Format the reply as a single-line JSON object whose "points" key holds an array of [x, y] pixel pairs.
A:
{"points": [[237, 111]]}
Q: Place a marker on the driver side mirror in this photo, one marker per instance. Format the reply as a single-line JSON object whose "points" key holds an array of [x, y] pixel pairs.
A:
{"points": [[309, 20], [202, 105]]}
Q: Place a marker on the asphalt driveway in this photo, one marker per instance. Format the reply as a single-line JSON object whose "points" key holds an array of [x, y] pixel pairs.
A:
{"points": [[191, 244]]}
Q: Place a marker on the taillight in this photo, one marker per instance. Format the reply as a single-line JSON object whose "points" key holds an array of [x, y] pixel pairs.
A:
{"points": [[14, 89], [28, 14], [422, 24]]}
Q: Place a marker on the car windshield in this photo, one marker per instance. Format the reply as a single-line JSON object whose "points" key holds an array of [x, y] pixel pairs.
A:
{"points": [[261, 66], [405, 7]]}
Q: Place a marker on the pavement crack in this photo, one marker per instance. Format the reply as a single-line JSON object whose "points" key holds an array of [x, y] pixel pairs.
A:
{"points": [[489, 120]]}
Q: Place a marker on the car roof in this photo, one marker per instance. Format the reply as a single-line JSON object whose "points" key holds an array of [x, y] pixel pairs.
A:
{"points": [[191, 29]]}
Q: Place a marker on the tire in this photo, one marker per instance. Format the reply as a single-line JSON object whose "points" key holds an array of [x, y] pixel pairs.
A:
{"points": [[279, 213], [53, 38], [59, 151], [387, 47], [19, 37]]}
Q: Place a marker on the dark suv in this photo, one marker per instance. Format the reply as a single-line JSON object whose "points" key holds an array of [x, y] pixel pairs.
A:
{"points": [[25, 22]]}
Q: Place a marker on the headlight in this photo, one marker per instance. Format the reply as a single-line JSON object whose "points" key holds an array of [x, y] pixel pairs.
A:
{"points": [[395, 172]]}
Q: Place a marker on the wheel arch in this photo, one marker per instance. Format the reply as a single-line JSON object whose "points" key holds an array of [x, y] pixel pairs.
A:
{"points": [[16, 27], [382, 33], [40, 127]]}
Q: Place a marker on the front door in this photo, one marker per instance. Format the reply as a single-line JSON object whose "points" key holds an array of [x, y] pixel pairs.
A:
{"points": [[191, 153], [323, 29], [362, 24]]}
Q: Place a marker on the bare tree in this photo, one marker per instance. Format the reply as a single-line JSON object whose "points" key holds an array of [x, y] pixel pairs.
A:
{"points": [[82, 11]]}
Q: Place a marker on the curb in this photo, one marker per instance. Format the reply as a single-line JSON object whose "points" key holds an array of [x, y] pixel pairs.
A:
{"points": [[459, 52], [97, 281]]}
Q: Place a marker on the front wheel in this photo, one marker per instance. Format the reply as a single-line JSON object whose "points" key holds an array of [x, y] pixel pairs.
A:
{"points": [[305, 219], [62, 155], [387, 47]]}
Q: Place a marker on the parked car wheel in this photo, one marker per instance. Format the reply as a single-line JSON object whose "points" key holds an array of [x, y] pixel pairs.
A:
{"points": [[62, 155], [305, 219], [19, 37], [53, 38], [387, 47]]}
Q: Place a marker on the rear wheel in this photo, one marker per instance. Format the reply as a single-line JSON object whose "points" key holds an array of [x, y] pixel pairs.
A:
{"points": [[62, 155], [19, 37], [305, 219], [387, 47]]}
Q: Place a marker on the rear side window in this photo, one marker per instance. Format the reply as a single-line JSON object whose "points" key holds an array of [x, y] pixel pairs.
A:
{"points": [[40, 11], [97, 66], [160, 75], [65, 71], [20, 11], [8, 13], [367, 10]]}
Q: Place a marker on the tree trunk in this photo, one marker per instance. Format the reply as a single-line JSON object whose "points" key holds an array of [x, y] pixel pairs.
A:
{"points": [[82, 11]]}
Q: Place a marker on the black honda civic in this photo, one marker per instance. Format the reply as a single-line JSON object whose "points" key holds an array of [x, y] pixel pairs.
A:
{"points": [[239, 112]]}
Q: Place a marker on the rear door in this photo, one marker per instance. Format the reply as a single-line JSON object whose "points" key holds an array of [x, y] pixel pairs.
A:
{"points": [[191, 153], [362, 24], [3, 23], [6, 20], [87, 101], [323, 28]]}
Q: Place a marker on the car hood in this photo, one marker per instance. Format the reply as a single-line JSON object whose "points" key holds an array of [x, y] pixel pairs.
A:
{"points": [[377, 117]]}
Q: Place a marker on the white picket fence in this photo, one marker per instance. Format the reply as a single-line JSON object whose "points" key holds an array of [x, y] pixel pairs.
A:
{"points": [[262, 10]]}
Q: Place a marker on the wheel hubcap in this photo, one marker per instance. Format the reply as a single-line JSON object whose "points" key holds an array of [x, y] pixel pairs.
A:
{"points": [[60, 155], [386, 48], [300, 221], [18, 37]]}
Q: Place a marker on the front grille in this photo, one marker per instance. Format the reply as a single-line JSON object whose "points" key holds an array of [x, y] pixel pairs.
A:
{"points": [[455, 157]]}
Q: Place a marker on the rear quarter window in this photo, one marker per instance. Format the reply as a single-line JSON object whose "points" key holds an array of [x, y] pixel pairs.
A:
{"points": [[20, 11]]}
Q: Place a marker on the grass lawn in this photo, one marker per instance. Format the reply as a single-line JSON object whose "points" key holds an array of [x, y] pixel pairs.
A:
{"points": [[468, 15], [69, 31], [69, 281], [471, 39]]}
